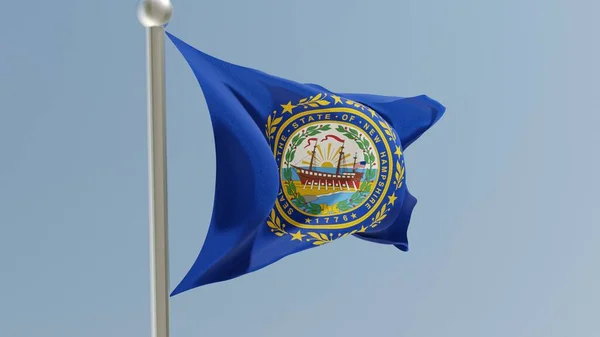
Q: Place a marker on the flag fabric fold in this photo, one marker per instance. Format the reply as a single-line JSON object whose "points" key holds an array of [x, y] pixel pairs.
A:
{"points": [[299, 166]]}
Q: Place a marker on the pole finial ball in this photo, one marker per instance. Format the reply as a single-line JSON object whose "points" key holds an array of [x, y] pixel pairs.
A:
{"points": [[154, 13]]}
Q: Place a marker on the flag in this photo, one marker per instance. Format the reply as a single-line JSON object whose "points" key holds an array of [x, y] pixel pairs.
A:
{"points": [[286, 159], [360, 165]]}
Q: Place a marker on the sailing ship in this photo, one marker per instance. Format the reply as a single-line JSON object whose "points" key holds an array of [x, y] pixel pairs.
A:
{"points": [[325, 180]]}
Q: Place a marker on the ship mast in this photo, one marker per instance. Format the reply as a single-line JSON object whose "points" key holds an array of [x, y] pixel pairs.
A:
{"points": [[312, 157], [337, 171], [354, 165]]}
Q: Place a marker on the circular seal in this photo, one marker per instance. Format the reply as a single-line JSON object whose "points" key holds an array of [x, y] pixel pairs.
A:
{"points": [[340, 166]]}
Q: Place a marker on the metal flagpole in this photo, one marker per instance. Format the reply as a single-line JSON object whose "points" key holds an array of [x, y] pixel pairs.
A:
{"points": [[154, 15]]}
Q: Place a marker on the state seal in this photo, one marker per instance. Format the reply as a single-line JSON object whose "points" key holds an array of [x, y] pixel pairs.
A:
{"points": [[340, 168]]}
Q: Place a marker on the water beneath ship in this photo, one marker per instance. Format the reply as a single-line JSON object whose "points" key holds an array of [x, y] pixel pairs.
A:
{"points": [[330, 199]]}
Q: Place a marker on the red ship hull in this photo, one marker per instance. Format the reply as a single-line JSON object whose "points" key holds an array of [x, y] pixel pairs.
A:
{"points": [[322, 180]]}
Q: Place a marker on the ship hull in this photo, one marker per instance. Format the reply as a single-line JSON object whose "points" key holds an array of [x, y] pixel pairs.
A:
{"points": [[329, 181]]}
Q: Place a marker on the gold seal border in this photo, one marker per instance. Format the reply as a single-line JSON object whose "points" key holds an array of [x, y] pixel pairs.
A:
{"points": [[387, 183]]}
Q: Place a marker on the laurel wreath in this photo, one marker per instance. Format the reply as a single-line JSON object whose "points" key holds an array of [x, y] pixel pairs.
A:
{"points": [[319, 238], [399, 175], [388, 130], [275, 223], [272, 123], [314, 102], [355, 104]]}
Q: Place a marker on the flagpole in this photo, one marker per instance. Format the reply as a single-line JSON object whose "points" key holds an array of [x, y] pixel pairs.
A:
{"points": [[154, 15]]}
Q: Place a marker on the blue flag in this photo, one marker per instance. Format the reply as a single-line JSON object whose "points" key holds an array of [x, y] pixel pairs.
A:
{"points": [[299, 166]]}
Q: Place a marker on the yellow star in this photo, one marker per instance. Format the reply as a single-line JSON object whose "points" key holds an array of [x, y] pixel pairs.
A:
{"points": [[307, 220], [287, 107], [392, 199], [353, 216], [298, 236], [362, 229], [337, 99], [398, 152]]}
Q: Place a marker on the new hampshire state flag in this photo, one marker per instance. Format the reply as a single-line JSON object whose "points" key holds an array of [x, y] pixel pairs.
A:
{"points": [[299, 166]]}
